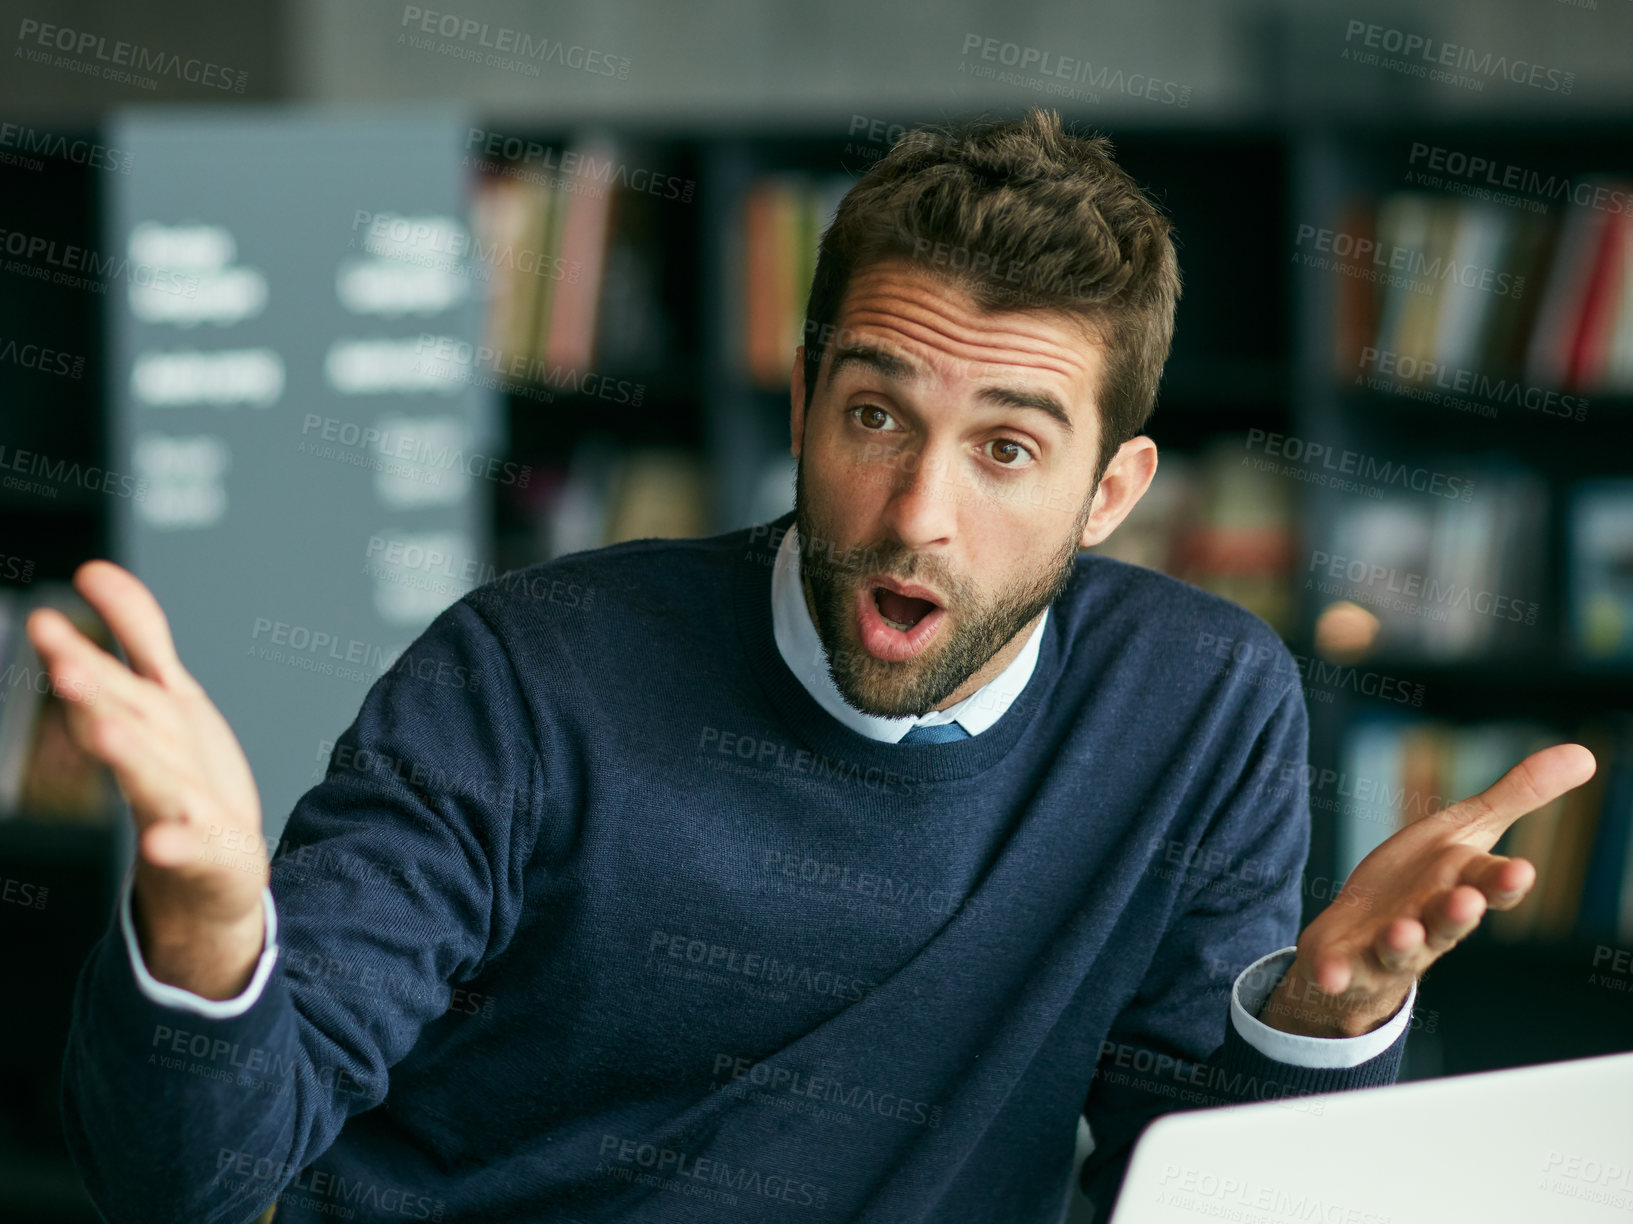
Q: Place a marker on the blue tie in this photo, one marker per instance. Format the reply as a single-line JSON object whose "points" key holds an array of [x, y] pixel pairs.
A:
{"points": [[936, 733]]}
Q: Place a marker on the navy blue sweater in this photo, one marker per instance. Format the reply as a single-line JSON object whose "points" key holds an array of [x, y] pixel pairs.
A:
{"points": [[598, 916]]}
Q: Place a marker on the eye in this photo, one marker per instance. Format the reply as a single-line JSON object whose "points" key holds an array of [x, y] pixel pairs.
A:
{"points": [[873, 412], [1010, 447]]}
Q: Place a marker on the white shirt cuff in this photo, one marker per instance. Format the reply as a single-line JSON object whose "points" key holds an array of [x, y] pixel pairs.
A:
{"points": [[186, 1000], [1253, 988]]}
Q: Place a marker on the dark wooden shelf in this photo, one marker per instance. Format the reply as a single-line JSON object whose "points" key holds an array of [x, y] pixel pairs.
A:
{"points": [[36, 838], [1532, 435], [1497, 1004], [46, 1188]]}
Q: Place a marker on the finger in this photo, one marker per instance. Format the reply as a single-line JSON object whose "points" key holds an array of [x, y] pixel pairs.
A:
{"points": [[177, 826], [1537, 780], [1502, 880], [1400, 946], [198, 850], [1451, 916], [160, 784], [145, 763], [1334, 971], [81, 671], [134, 617]]}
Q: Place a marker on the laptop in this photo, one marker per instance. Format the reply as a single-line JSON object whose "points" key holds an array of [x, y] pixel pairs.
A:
{"points": [[1550, 1144]]}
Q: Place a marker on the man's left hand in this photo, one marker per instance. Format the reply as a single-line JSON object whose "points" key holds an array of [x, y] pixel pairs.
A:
{"points": [[1423, 889]]}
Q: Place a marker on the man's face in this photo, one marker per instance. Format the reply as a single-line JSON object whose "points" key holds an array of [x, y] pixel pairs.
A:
{"points": [[943, 485]]}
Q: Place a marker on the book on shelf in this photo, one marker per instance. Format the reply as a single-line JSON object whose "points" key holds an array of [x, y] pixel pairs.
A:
{"points": [[1395, 770], [568, 260], [1600, 572], [783, 219], [1219, 525], [612, 494], [44, 774], [1445, 578], [1472, 297]]}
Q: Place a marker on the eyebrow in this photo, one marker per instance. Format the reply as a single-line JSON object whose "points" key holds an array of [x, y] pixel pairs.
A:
{"points": [[889, 365]]}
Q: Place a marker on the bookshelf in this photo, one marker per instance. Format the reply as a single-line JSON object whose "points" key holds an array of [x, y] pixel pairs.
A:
{"points": [[1532, 405], [1256, 353]]}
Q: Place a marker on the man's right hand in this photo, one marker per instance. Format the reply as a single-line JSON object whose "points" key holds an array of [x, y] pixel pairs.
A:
{"points": [[201, 861]]}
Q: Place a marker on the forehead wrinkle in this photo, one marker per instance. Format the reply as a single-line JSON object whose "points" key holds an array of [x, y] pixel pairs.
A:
{"points": [[927, 290], [1046, 354], [954, 317]]}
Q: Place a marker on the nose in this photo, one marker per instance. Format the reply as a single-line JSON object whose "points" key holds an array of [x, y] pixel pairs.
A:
{"points": [[922, 509]]}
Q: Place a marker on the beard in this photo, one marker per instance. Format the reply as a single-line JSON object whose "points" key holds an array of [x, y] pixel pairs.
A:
{"points": [[975, 629]]}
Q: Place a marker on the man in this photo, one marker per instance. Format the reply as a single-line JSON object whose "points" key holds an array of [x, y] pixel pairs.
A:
{"points": [[832, 868]]}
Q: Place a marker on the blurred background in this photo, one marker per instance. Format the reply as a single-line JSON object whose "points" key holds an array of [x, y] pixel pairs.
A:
{"points": [[317, 314]]}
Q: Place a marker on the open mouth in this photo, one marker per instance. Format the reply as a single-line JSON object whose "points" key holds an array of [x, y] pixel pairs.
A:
{"points": [[900, 611], [895, 626]]}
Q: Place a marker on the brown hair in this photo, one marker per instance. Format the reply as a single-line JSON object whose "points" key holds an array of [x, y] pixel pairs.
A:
{"points": [[1021, 215]]}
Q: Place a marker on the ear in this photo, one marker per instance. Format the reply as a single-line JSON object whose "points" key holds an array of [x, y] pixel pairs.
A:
{"points": [[1127, 477], [796, 397]]}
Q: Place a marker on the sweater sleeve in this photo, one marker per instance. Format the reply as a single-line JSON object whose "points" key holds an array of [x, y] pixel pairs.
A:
{"points": [[1176, 1045], [399, 877], [1253, 990]]}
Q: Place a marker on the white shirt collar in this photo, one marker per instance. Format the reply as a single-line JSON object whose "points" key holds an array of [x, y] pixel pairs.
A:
{"points": [[801, 648]]}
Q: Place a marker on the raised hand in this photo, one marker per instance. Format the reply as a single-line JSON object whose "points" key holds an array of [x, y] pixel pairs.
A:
{"points": [[201, 861], [1428, 886]]}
